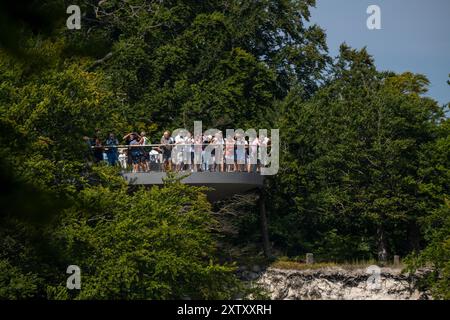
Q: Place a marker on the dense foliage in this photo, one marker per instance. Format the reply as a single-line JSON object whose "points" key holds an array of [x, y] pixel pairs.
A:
{"points": [[364, 155], [353, 167]]}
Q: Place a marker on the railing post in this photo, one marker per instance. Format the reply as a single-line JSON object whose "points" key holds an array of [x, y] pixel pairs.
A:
{"points": [[309, 258], [396, 260]]}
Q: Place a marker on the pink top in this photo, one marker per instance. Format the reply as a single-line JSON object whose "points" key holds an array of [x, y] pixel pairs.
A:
{"points": [[229, 149]]}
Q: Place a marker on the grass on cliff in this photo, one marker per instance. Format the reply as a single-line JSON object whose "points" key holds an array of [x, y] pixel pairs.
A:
{"points": [[291, 264]]}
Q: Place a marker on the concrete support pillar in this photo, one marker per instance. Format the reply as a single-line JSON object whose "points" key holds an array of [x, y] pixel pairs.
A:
{"points": [[264, 227]]}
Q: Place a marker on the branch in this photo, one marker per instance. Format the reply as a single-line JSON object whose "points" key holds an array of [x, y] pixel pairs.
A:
{"points": [[100, 61]]}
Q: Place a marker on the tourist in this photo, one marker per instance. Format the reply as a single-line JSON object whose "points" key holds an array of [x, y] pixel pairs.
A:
{"points": [[155, 159], [127, 140], [144, 140], [263, 150], [220, 143], [198, 153], [189, 152], [111, 150], [145, 156], [217, 152], [123, 158], [178, 152], [98, 150], [135, 152], [253, 154], [166, 148], [206, 155], [229, 154], [241, 145]]}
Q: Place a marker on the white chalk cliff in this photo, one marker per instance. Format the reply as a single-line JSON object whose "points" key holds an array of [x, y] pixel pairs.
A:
{"points": [[338, 284]]}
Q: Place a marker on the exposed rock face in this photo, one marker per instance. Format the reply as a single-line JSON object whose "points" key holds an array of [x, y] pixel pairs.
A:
{"points": [[339, 284]]}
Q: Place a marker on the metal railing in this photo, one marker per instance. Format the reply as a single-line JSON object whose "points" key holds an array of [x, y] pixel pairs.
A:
{"points": [[183, 157]]}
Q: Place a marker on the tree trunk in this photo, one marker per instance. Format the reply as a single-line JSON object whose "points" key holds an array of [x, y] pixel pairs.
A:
{"points": [[264, 228], [382, 244], [414, 236]]}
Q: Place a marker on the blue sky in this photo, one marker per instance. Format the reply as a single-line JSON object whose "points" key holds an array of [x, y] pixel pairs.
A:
{"points": [[414, 36]]}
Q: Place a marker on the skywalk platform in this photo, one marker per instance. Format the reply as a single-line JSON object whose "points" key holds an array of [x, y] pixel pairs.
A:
{"points": [[224, 184]]}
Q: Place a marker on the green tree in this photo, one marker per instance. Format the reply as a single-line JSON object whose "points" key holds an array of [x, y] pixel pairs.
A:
{"points": [[351, 161], [434, 186], [151, 245], [223, 62]]}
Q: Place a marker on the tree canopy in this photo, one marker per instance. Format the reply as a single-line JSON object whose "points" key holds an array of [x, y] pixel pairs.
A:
{"points": [[364, 168]]}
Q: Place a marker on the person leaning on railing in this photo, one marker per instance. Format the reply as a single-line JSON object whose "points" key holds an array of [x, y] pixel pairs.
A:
{"points": [[111, 150], [229, 154], [123, 158], [145, 155], [198, 148], [98, 149], [241, 145], [166, 149], [134, 151]]}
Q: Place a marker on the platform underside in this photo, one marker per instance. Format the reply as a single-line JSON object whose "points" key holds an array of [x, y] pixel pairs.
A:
{"points": [[224, 184]]}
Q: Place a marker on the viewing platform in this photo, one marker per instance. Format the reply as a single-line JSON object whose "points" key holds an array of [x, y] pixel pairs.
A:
{"points": [[224, 184], [238, 172]]}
